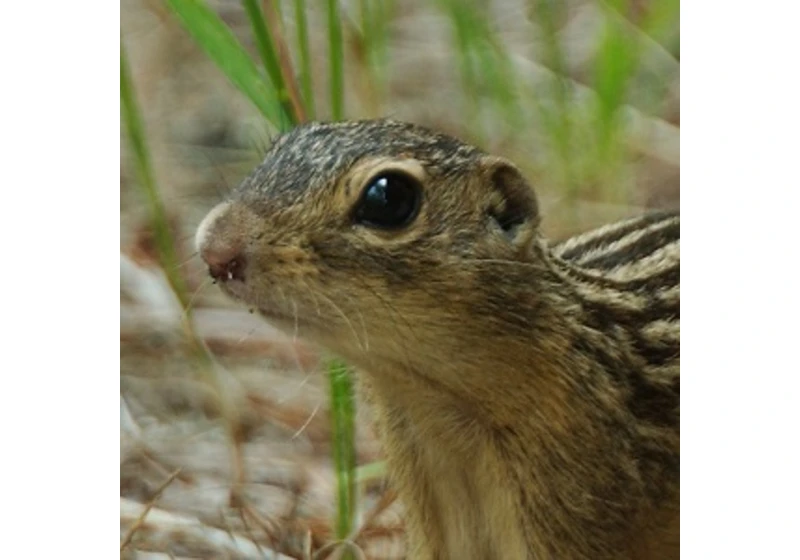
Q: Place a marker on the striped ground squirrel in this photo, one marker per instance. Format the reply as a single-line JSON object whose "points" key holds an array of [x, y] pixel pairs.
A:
{"points": [[526, 393]]}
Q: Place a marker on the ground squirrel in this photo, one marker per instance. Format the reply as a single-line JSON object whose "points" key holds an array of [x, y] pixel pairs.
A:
{"points": [[526, 393]]}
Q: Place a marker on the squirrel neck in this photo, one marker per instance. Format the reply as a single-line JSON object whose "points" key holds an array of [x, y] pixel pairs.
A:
{"points": [[525, 439]]}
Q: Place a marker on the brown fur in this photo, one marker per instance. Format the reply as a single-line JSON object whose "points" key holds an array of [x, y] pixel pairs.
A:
{"points": [[528, 403]]}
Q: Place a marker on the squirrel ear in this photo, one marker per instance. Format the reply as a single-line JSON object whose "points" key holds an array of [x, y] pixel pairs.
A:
{"points": [[513, 203]]}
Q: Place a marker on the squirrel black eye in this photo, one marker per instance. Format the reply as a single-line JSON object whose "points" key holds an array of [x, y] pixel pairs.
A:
{"points": [[389, 201]]}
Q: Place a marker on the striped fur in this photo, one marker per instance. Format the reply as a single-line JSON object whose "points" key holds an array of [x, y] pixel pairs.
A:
{"points": [[613, 239], [629, 273], [627, 277]]}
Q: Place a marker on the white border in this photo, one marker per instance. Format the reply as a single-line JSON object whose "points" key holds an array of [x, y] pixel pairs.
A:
{"points": [[740, 210], [60, 131], [740, 289]]}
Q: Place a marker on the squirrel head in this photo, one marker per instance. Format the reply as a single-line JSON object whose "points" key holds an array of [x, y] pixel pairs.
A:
{"points": [[352, 234]]}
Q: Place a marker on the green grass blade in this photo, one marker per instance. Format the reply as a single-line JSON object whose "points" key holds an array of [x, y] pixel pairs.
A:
{"points": [[336, 50], [343, 419], [372, 38], [547, 14], [614, 67], [144, 171], [167, 256], [221, 45], [341, 383], [382, 12], [469, 80], [486, 69], [306, 78], [269, 58], [371, 472]]}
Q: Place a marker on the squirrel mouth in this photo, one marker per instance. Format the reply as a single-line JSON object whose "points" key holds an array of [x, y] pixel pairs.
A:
{"points": [[236, 289], [285, 316]]}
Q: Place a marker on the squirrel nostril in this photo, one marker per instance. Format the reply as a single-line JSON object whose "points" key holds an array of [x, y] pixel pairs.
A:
{"points": [[225, 263], [230, 270]]}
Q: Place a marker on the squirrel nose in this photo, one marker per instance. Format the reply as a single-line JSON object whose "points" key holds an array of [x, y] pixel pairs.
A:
{"points": [[220, 247], [225, 262]]}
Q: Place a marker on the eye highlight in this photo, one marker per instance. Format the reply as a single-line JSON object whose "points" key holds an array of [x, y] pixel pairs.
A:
{"points": [[390, 200]]}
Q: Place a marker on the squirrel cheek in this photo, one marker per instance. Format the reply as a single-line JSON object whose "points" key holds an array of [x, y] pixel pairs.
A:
{"points": [[289, 262]]}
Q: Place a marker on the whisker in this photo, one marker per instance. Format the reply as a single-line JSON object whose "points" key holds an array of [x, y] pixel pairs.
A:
{"points": [[193, 256], [401, 340], [295, 356], [361, 319], [193, 296], [214, 165], [246, 335], [313, 297], [296, 321], [346, 318], [307, 422], [298, 386]]}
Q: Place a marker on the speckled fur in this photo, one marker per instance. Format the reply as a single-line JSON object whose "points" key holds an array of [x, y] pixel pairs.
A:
{"points": [[527, 395]]}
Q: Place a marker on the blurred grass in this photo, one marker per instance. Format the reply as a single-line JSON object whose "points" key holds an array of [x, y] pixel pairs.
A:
{"points": [[269, 58], [585, 147], [336, 60], [304, 52], [371, 38], [485, 67], [614, 66], [556, 119], [218, 42], [165, 245], [222, 46], [167, 257]]}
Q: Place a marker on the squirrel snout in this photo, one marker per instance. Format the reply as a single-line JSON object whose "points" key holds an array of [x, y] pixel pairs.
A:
{"points": [[225, 262], [220, 247]]}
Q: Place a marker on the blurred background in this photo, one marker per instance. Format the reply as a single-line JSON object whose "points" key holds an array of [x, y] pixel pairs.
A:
{"points": [[230, 444]]}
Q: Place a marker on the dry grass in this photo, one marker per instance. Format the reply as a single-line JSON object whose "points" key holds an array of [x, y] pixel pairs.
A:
{"points": [[186, 489], [178, 475]]}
